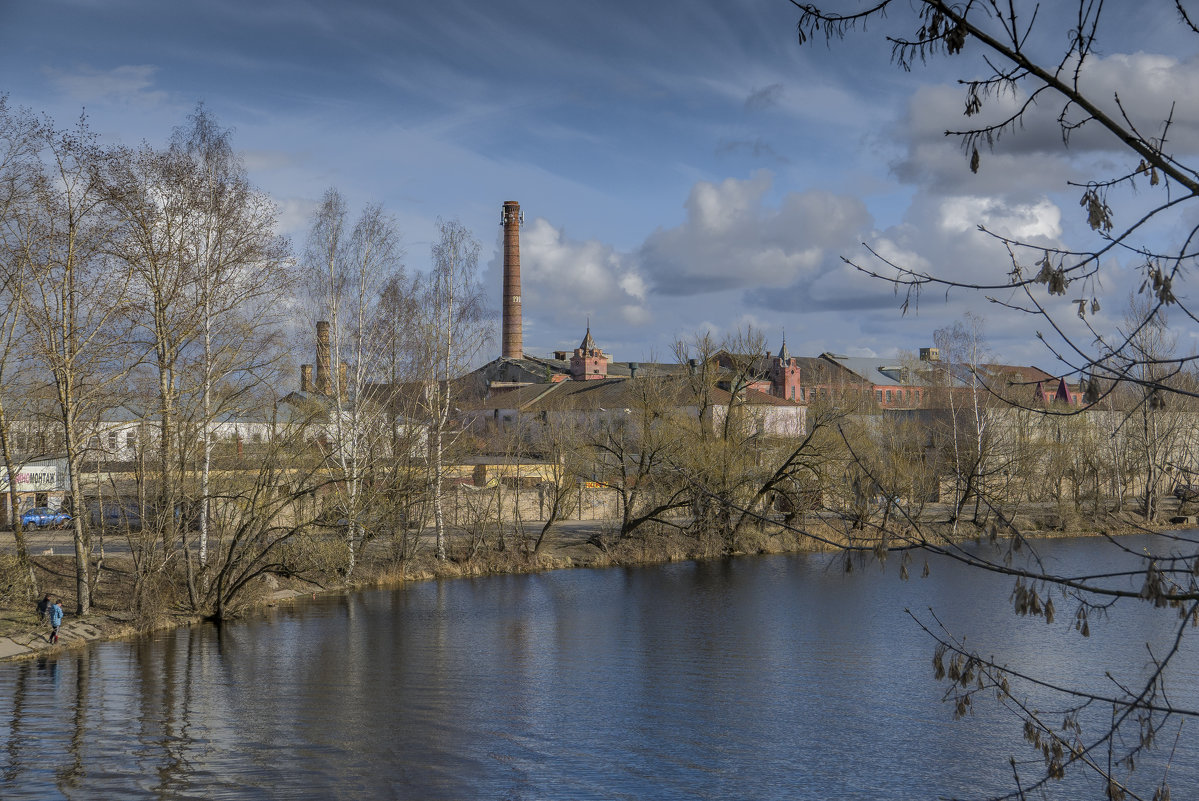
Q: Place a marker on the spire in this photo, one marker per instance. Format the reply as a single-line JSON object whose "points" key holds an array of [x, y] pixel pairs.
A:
{"points": [[588, 342], [589, 362], [784, 354]]}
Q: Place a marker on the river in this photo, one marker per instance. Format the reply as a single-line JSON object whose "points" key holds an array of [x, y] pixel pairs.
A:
{"points": [[776, 677]]}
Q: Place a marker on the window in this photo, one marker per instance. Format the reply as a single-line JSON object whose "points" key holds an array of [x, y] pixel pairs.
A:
{"points": [[888, 396], [878, 395], [130, 440], [112, 440]]}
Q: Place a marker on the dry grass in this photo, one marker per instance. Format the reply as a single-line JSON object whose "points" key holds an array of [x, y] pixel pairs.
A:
{"points": [[118, 606]]}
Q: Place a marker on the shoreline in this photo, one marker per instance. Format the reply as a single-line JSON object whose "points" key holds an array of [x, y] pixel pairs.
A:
{"points": [[104, 626]]}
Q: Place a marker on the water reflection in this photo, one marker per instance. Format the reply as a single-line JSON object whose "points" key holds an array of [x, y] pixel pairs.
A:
{"points": [[755, 678]]}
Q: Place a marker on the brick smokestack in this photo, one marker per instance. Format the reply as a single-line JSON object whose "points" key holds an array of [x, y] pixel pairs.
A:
{"points": [[305, 378], [513, 343], [324, 379]]}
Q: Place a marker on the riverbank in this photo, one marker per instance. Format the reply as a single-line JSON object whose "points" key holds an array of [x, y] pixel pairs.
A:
{"points": [[23, 637]]}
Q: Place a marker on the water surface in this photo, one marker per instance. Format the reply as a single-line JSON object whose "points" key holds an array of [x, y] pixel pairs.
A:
{"points": [[757, 678]]}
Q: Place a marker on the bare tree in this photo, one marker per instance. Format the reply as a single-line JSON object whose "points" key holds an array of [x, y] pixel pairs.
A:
{"points": [[208, 272], [1020, 76], [146, 189], [964, 354], [1155, 425], [19, 135], [261, 524], [242, 270], [348, 270], [453, 332], [1023, 72], [72, 297]]}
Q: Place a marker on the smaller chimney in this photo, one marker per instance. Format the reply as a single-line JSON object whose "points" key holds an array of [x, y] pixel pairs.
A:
{"points": [[305, 378], [342, 381], [633, 367], [324, 381]]}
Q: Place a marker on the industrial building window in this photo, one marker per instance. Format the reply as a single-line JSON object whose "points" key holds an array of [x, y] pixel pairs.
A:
{"points": [[888, 396], [130, 439], [112, 440], [878, 395]]}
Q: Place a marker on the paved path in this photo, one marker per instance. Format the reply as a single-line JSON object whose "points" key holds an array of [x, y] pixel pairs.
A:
{"points": [[71, 632], [58, 542]]}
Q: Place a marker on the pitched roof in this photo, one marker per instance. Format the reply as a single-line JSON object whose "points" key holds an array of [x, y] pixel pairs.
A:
{"points": [[879, 372], [1017, 374], [618, 393], [812, 369]]}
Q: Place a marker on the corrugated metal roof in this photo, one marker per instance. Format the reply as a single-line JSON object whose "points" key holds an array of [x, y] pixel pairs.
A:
{"points": [[880, 372], [619, 393]]}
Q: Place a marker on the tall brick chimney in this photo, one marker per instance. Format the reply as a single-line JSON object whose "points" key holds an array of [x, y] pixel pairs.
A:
{"points": [[324, 378], [513, 339]]}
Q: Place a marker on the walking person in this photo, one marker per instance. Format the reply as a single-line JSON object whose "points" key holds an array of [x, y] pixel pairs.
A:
{"points": [[43, 608], [55, 619]]}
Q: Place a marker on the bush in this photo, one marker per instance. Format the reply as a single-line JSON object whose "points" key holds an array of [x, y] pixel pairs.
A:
{"points": [[14, 580]]}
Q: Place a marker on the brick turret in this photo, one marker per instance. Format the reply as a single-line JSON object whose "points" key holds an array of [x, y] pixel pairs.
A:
{"points": [[588, 362], [784, 375]]}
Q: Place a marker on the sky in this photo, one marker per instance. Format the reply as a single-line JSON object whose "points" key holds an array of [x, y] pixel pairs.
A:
{"points": [[683, 168]]}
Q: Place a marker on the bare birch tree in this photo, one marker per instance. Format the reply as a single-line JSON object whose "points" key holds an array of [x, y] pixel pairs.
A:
{"points": [[348, 269], [19, 134], [73, 298], [452, 330], [964, 353], [242, 271], [208, 273]]}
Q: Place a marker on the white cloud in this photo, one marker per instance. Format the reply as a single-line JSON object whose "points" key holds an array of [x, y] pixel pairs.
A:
{"points": [[1031, 157], [565, 281], [732, 239], [1027, 222]]}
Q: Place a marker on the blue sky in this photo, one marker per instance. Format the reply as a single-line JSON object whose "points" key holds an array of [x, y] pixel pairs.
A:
{"points": [[682, 167]]}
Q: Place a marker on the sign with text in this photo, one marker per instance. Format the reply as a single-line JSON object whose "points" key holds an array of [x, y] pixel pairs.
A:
{"points": [[32, 478]]}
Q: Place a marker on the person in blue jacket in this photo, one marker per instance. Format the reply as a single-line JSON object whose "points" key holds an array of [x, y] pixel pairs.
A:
{"points": [[55, 619]]}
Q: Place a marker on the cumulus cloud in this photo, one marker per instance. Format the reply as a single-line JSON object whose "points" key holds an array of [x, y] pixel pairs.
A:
{"points": [[565, 280], [742, 256], [732, 240], [1038, 222], [125, 84], [1151, 88]]}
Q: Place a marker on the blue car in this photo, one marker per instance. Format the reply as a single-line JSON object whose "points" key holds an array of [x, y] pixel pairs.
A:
{"points": [[44, 516]]}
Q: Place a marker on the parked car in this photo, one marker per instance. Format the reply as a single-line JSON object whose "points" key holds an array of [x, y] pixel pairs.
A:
{"points": [[44, 516]]}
